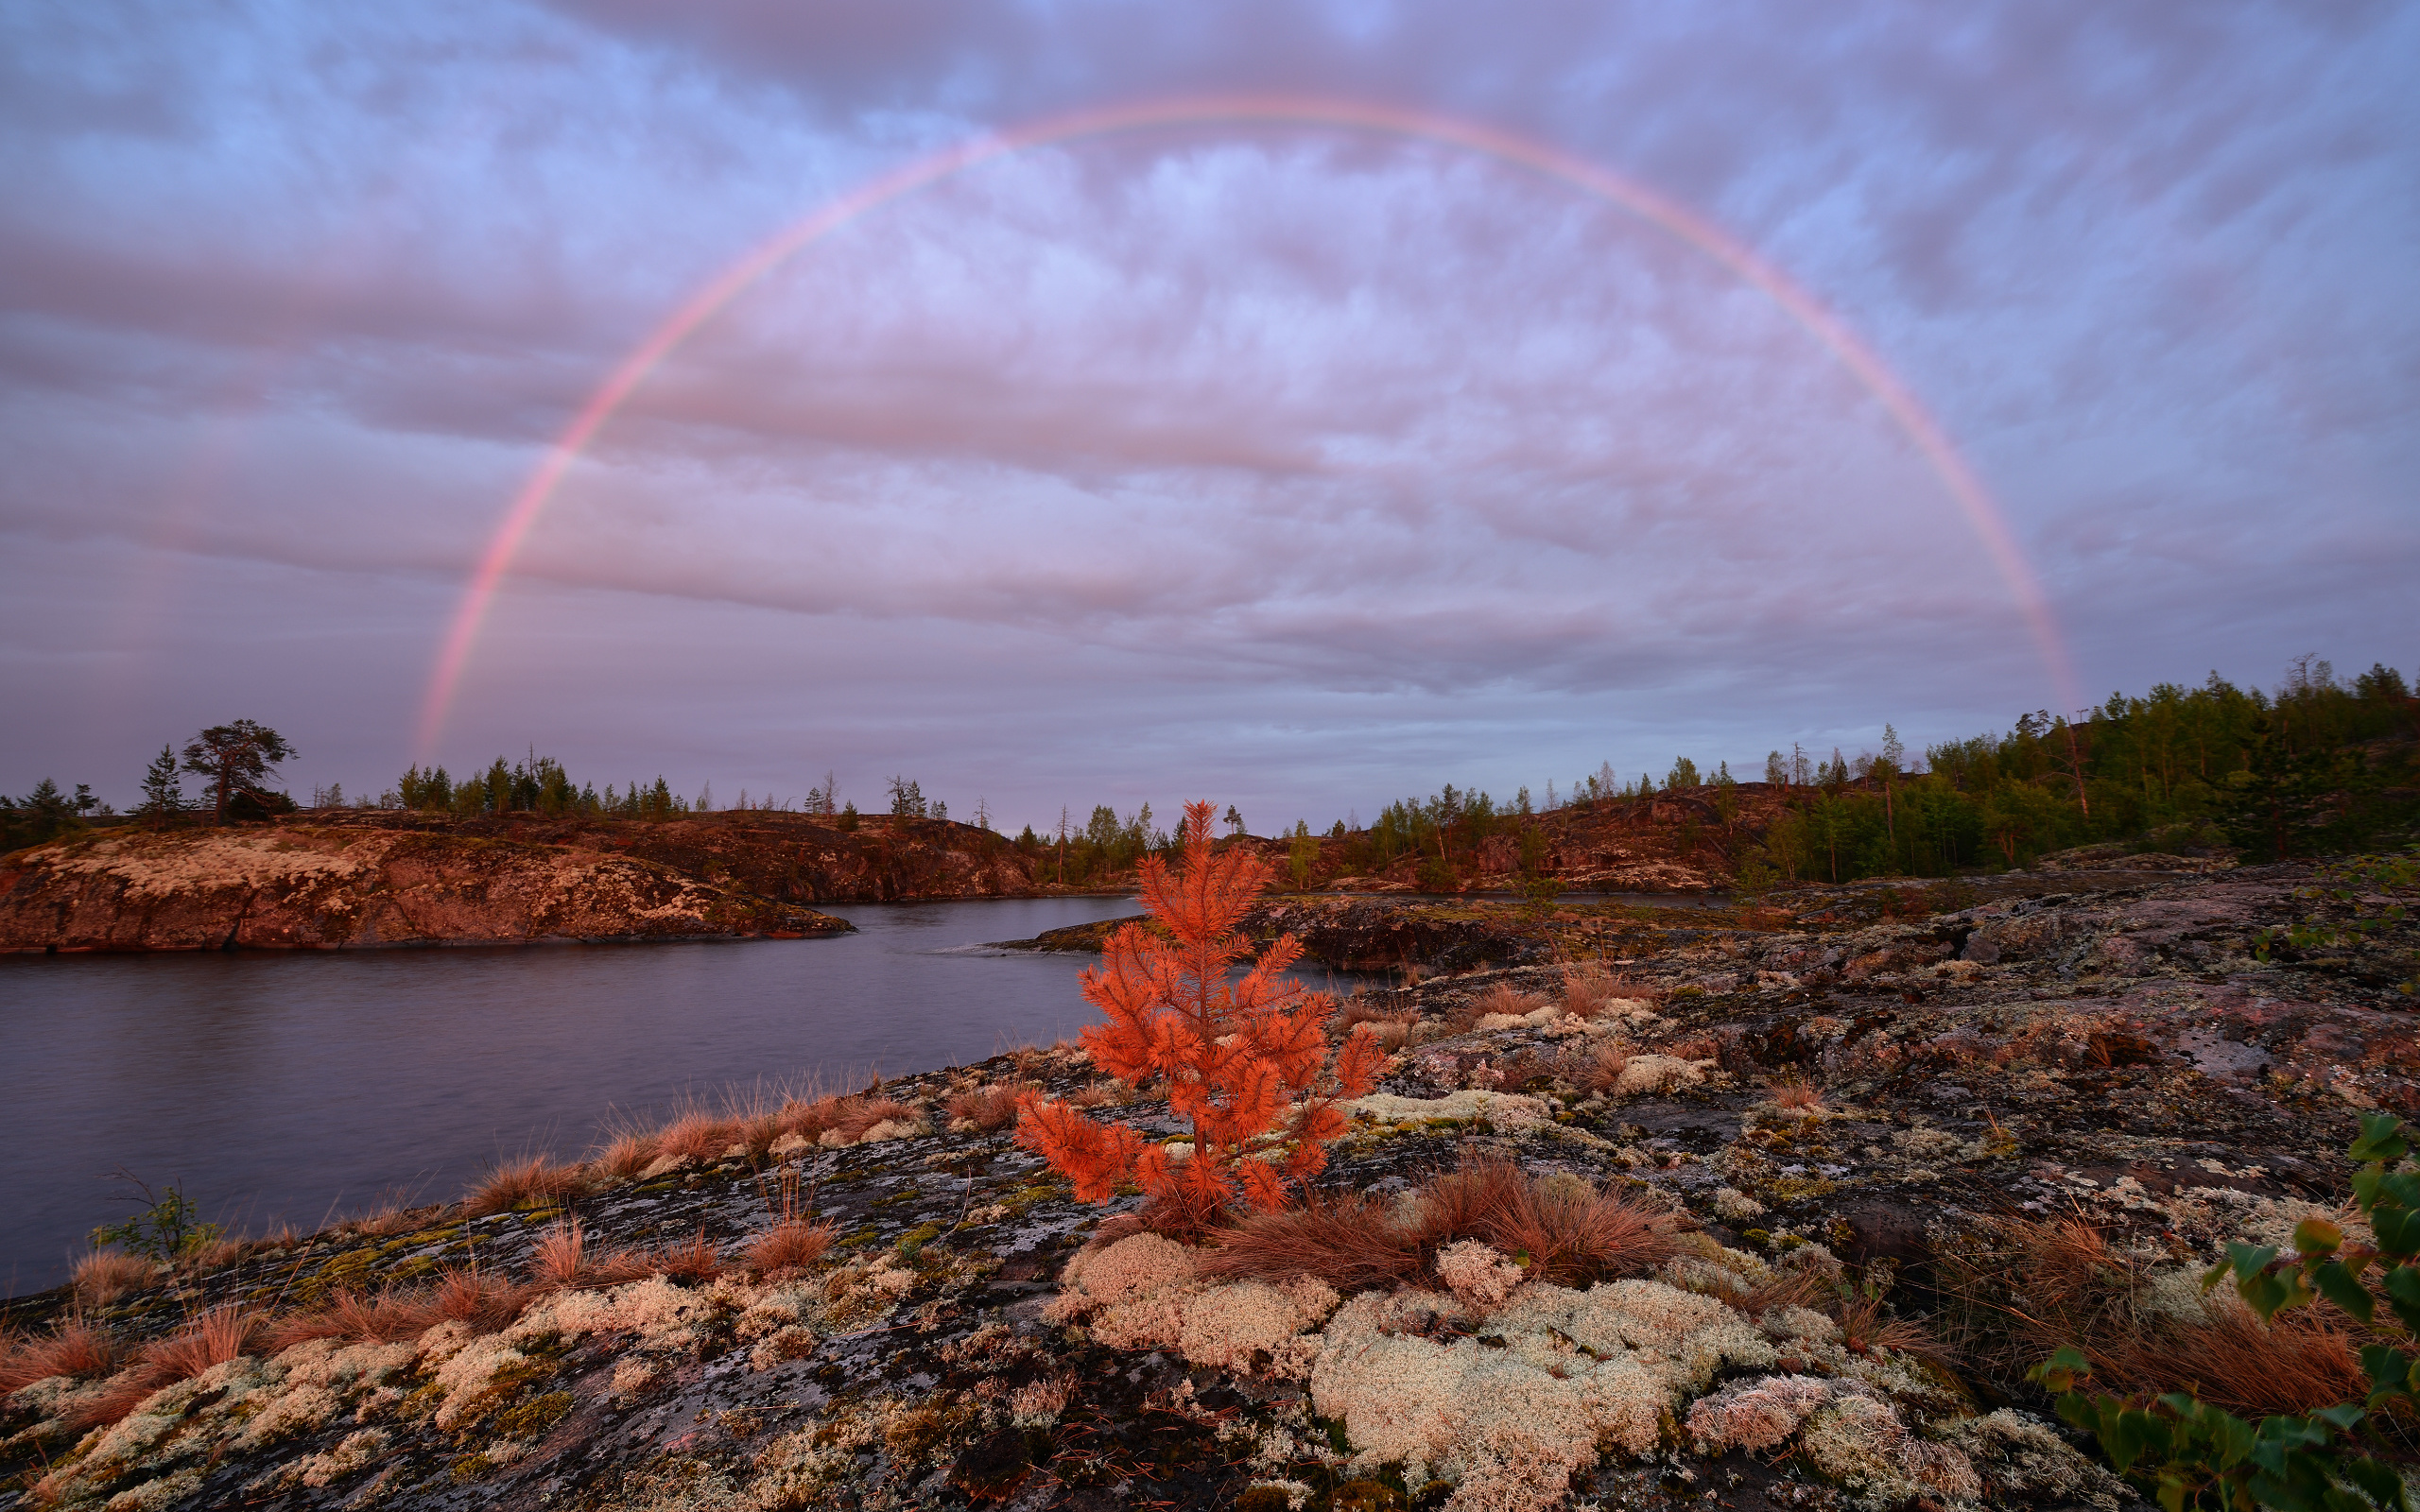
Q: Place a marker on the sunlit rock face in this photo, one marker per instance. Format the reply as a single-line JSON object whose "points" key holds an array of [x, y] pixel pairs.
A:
{"points": [[314, 889]]}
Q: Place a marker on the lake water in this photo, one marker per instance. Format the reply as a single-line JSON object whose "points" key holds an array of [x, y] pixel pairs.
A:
{"points": [[291, 1087]]}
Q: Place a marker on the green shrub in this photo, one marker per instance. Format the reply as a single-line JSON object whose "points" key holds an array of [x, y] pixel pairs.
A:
{"points": [[2335, 1459], [168, 1229]]}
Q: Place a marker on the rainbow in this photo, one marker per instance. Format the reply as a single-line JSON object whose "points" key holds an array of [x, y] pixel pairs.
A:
{"points": [[1982, 514]]}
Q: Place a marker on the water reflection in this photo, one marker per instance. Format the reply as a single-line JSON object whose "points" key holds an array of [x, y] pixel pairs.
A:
{"points": [[285, 1087]]}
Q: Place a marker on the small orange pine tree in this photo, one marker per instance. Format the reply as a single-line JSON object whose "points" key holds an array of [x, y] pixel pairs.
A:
{"points": [[1241, 1057]]}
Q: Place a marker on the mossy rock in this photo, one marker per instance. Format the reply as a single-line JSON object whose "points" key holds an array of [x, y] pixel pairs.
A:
{"points": [[534, 1417], [1366, 1495]]}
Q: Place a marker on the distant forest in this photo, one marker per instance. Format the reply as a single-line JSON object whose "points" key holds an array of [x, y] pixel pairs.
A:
{"points": [[2321, 765]]}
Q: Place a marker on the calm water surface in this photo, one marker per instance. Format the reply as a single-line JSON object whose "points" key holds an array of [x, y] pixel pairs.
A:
{"points": [[285, 1087]]}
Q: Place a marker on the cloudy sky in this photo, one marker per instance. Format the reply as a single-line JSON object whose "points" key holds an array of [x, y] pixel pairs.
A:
{"points": [[1250, 452]]}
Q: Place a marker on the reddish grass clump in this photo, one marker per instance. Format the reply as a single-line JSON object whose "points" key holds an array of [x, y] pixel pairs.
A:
{"points": [[555, 1260], [105, 1275], [215, 1337], [793, 1243], [1793, 1091], [986, 1107], [1570, 1233], [694, 1136], [1587, 986], [1601, 1067], [219, 1252], [759, 1130], [852, 1117], [2028, 1287], [515, 1183], [383, 1319], [1351, 1243], [392, 1218], [485, 1300], [78, 1349], [624, 1156], [212, 1339], [691, 1259]]}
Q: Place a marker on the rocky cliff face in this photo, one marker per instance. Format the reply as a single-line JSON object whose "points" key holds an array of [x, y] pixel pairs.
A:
{"points": [[316, 888], [792, 858]]}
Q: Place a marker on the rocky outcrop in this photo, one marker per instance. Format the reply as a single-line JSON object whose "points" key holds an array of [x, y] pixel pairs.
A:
{"points": [[298, 888], [1847, 1114], [1354, 934], [791, 858]]}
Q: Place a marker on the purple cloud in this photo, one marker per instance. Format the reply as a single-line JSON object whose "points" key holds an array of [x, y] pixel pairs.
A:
{"points": [[1305, 467]]}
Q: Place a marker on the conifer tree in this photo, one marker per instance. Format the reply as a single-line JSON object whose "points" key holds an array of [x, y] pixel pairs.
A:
{"points": [[1242, 1059], [164, 792], [236, 759]]}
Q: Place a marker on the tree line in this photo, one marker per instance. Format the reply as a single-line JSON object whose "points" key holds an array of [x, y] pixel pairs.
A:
{"points": [[2321, 765]]}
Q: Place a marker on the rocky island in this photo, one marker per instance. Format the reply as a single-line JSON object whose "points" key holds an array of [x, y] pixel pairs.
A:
{"points": [[1753, 1209], [323, 887]]}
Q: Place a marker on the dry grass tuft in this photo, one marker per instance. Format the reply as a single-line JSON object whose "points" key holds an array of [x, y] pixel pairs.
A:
{"points": [[618, 1266], [215, 1337], [624, 1156], [1866, 1324], [1351, 1243], [515, 1183], [1793, 1091], [212, 1339], [217, 1253], [388, 1219], [855, 1115], [850, 1115], [383, 1319], [694, 1136], [1497, 997], [1570, 1233], [1600, 1066], [2025, 1288], [484, 1301], [1573, 1234], [1799, 1287], [986, 1107], [690, 1260], [77, 1348], [793, 1243], [759, 1131], [555, 1260], [1587, 986], [105, 1275]]}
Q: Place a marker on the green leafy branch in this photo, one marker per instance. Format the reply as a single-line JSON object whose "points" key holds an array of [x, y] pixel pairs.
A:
{"points": [[2193, 1456], [168, 1228]]}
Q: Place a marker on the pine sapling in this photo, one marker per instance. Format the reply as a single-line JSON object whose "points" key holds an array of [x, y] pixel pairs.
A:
{"points": [[1243, 1056]]}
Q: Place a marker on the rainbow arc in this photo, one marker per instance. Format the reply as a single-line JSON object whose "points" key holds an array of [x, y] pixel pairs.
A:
{"points": [[1982, 513]]}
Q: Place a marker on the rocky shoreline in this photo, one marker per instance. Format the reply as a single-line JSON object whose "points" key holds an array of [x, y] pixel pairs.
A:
{"points": [[1835, 1106], [303, 888]]}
